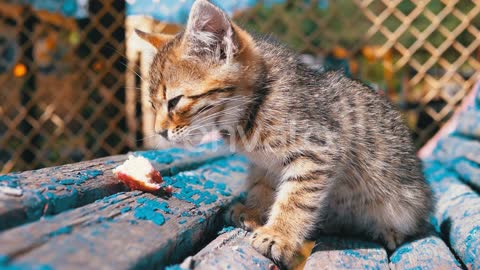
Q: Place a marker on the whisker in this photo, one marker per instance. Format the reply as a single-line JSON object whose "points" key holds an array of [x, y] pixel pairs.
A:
{"points": [[214, 106], [225, 112], [125, 64], [194, 128]]}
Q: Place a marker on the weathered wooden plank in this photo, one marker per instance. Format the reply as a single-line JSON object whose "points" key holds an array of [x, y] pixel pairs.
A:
{"points": [[469, 124], [230, 250], [457, 212], [133, 229], [53, 190], [468, 171], [331, 252], [427, 253], [453, 147], [461, 155]]}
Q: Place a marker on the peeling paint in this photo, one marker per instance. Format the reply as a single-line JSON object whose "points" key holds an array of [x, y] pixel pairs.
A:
{"points": [[10, 180], [226, 229]]}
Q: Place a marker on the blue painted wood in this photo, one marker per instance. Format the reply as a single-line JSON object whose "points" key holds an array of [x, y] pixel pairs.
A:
{"points": [[133, 229], [457, 213], [453, 147], [469, 124], [332, 252], [53, 190], [453, 171], [230, 250], [461, 155], [427, 253]]}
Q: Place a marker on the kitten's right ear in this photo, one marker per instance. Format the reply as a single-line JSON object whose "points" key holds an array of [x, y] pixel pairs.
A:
{"points": [[209, 30], [157, 40]]}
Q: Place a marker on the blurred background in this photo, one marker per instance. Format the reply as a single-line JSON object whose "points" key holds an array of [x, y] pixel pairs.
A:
{"points": [[73, 76]]}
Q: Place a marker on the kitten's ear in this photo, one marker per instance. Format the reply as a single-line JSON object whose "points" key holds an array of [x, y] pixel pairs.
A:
{"points": [[210, 31], [157, 40]]}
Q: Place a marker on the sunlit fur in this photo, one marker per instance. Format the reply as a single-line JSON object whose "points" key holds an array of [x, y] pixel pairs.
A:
{"points": [[330, 155]]}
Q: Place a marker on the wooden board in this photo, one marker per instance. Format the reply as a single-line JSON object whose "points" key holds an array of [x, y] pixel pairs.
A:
{"points": [[427, 253], [462, 156], [84, 218], [53, 190], [132, 229], [230, 250], [457, 213], [331, 252], [470, 124]]}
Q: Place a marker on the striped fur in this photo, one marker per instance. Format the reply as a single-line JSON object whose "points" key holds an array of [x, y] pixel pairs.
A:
{"points": [[331, 155]]}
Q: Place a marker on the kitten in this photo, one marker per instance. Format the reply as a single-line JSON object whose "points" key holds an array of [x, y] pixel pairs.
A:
{"points": [[330, 154]]}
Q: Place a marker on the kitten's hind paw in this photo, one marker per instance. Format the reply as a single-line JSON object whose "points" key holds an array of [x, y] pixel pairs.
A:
{"points": [[274, 245], [243, 217], [390, 238]]}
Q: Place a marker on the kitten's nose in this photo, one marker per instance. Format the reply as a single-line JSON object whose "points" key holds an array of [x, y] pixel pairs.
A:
{"points": [[164, 133]]}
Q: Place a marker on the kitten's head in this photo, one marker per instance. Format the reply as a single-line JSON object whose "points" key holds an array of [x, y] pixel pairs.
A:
{"points": [[202, 78]]}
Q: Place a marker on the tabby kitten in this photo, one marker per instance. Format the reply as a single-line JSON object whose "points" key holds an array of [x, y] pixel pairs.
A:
{"points": [[330, 154]]}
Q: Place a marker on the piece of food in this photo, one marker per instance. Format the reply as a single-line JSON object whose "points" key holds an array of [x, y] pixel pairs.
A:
{"points": [[138, 173], [169, 189], [11, 191]]}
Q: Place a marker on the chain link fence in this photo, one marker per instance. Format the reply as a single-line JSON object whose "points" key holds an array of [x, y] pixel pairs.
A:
{"points": [[68, 92], [62, 96]]}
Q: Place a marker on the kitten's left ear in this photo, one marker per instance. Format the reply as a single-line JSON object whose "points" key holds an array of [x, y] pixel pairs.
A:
{"points": [[210, 31], [157, 40]]}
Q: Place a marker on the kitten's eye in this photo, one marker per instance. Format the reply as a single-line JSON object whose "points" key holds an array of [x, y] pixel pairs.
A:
{"points": [[173, 102]]}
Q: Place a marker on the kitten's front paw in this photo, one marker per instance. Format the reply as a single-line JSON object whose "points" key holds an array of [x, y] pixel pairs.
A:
{"points": [[274, 245], [243, 217]]}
